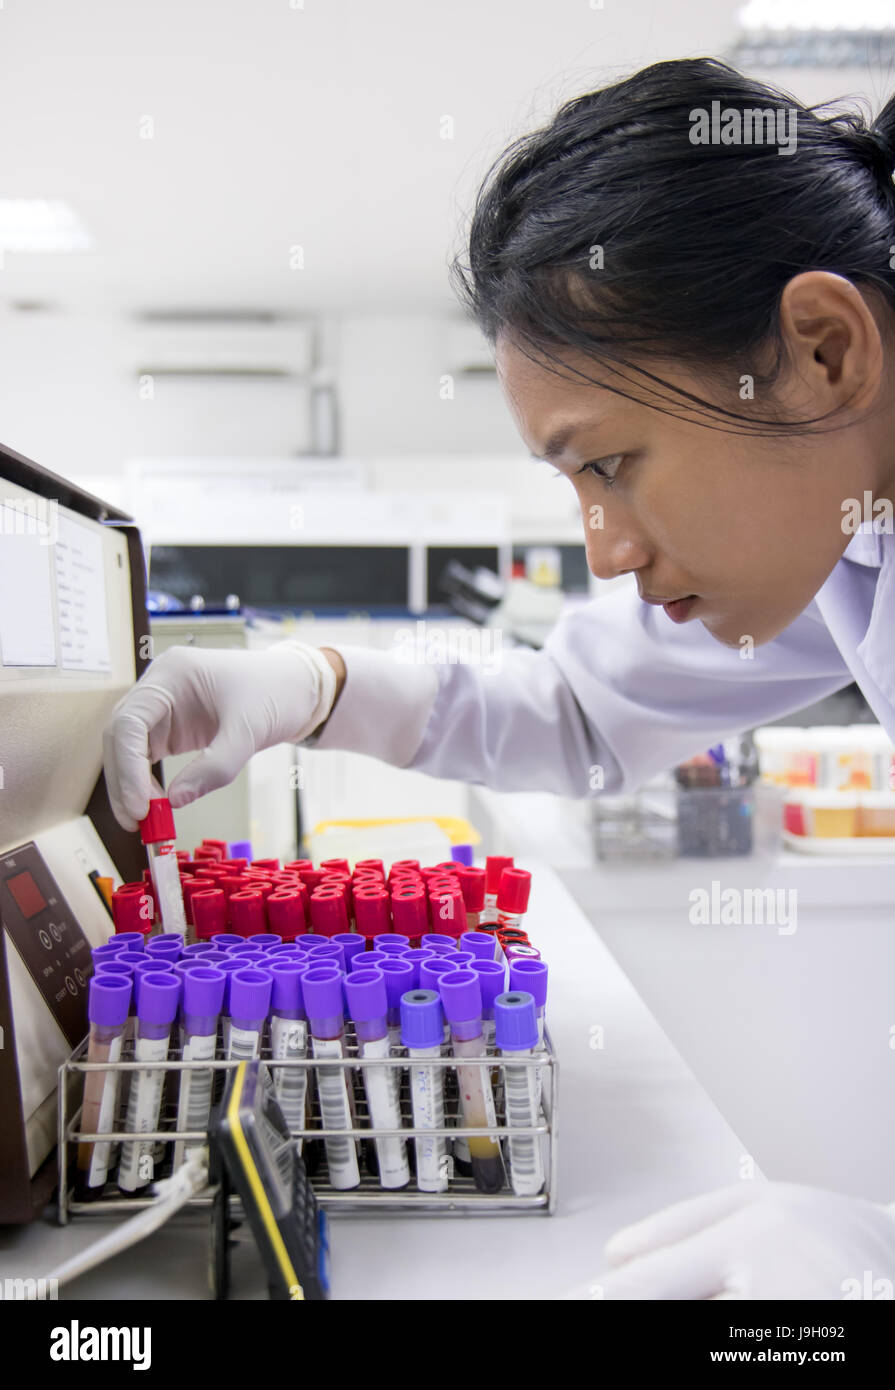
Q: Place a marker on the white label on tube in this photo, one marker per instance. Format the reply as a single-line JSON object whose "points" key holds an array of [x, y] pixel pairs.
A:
{"points": [[520, 1091], [166, 877], [427, 1097], [335, 1113], [385, 1113], [289, 1040], [243, 1045], [136, 1167], [99, 1159], [194, 1101]]}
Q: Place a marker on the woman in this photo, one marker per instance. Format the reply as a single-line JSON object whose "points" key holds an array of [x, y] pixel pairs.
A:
{"points": [[693, 321]]}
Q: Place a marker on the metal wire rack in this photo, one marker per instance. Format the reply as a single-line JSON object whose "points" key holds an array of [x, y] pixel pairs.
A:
{"points": [[461, 1194]]}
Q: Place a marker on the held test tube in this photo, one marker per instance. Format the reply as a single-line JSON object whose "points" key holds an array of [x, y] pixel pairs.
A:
{"points": [[108, 1005], [157, 833], [516, 1035], [203, 995], [368, 1005], [289, 1039], [461, 999], [421, 1034], [494, 867], [322, 989], [158, 995]]}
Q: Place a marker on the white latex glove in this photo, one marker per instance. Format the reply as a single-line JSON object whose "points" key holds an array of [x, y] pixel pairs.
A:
{"points": [[755, 1240], [230, 704]]}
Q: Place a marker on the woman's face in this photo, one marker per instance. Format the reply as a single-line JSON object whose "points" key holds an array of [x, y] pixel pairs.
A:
{"points": [[735, 530]]}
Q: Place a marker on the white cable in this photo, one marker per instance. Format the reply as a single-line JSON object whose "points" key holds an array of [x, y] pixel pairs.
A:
{"points": [[173, 1193]]}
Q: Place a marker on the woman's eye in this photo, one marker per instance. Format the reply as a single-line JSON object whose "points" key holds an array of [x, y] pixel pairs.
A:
{"points": [[604, 468]]}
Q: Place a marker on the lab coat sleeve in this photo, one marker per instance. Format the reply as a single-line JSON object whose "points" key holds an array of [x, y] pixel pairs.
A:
{"points": [[618, 694]]}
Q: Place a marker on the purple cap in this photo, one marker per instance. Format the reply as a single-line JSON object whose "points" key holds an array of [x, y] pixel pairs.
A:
{"points": [[365, 993], [432, 970], [248, 946], [322, 989], [250, 990], [228, 969], [109, 1001], [171, 944], [352, 944], [288, 951], [123, 968], [158, 996], [462, 854], [328, 950], [198, 948], [481, 945], [515, 1021], [309, 940], [107, 952], [416, 958], [461, 995], [267, 939], [223, 940], [391, 942], [492, 981], [398, 974], [241, 849], [438, 942], [369, 959], [203, 991], [422, 1023], [128, 940], [461, 959], [286, 995], [530, 975]]}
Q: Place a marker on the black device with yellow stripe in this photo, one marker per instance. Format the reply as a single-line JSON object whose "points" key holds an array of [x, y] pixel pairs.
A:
{"points": [[253, 1154]]}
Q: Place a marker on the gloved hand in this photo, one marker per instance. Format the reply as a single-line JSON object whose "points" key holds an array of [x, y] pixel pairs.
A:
{"points": [[755, 1240], [231, 704]]}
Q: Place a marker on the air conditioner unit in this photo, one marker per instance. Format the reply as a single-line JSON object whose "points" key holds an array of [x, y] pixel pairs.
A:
{"points": [[209, 347]]}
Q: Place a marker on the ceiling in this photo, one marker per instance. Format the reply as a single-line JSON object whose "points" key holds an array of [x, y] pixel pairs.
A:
{"points": [[276, 125]]}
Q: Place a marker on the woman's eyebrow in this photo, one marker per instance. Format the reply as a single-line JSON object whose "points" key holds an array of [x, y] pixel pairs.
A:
{"points": [[562, 436]]}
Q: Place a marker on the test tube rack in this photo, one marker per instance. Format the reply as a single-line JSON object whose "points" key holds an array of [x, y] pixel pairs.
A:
{"points": [[461, 1197]]}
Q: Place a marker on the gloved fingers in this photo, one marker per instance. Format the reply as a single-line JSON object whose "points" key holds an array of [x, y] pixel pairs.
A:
{"points": [[695, 1267], [673, 1223], [216, 766], [126, 762]]}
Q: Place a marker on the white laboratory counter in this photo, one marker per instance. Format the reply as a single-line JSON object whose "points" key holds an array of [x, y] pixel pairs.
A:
{"points": [[636, 1132]]}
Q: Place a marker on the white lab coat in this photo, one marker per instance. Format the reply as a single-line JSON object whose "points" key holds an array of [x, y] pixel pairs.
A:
{"points": [[619, 692]]}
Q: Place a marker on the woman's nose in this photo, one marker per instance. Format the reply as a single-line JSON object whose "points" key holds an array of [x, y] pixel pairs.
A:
{"points": [[611, 549]]}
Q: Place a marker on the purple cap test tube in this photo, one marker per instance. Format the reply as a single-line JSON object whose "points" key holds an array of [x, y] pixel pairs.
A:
{"points": [[168, 947], [223, 940], [461, 999], [128, 940], [328, 950], [416, 958], [158, 998], [439, 942], [250, 991], [368, 1003], [352, 944], [481, 945], [203, 995], [398, 974], [108, 1002], [322, 990], [422, 1019], [431, 971], [392, 942], [515, 1022], [286, 998]]}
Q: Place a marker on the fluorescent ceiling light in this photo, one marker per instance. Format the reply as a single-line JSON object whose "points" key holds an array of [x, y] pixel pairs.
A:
{"points": [[826, 15], [40, 224]]}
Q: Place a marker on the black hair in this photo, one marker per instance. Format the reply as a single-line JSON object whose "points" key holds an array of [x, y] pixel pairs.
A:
{"points": [[698, 240]]}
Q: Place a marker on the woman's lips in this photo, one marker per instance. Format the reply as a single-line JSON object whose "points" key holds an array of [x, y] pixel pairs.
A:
{"points": [[679, 609]]}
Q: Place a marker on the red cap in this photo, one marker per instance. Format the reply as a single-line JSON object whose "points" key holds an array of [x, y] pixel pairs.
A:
{"points": [[147, 878], [296, 865], [182, 853], [513, 890], [273, 864], [472, 886], [137, 887], [447, 911], [209, 913], [450, 866], [247, 914], [371, 911], [237, 865], [209, 841], [190, 887], [401, 864], [187, 866], [286, 913], [494, 867], [232, 883], [286, 877], [375, 866], [409, 913], [312, 878], [208, 852], [132, 911], [339, 865], [329, 913]]}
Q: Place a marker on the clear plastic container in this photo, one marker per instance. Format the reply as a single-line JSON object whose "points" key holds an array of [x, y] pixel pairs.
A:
{"points": [[787, 755], [713, 822], [876, 813]]}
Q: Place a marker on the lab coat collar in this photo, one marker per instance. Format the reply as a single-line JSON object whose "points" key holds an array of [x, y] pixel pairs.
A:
{"points": [[876, 650], [865, 546]]}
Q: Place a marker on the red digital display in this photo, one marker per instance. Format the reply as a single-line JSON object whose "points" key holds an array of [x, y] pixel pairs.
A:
{"points": [[28, 896]]}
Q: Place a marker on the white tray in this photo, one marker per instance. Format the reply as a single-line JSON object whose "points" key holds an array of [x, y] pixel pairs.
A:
{"points": [[856, 846]]}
